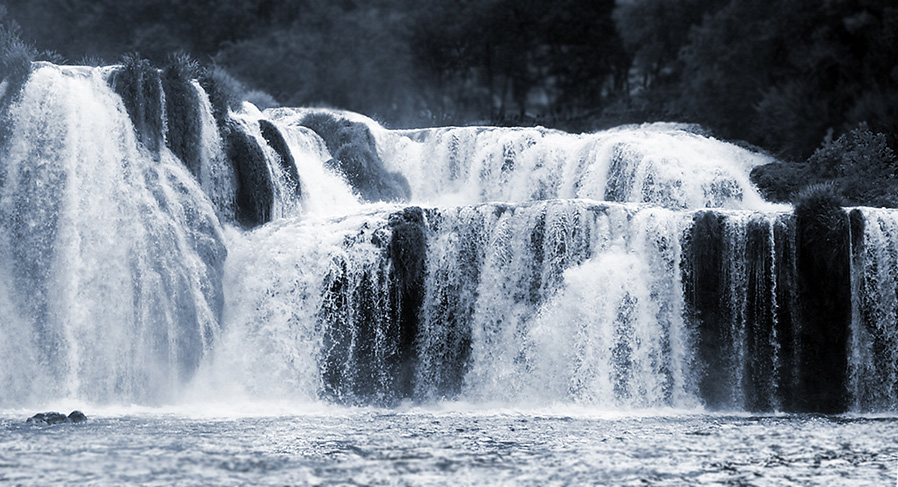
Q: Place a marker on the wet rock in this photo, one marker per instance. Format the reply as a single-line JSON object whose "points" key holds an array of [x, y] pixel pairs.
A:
{"points": [[255, 193], [77, 417], [57, 418], [823, 265], [140, 86], [277, 142], [408, 252], [355, 155]]}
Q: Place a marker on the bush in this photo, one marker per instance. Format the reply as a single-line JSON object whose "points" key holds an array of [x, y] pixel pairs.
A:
{"points": [[15, 60], [859, 166], [860, 152], [781, 181], [15, 54], [224, 91], [51, 56], [182, 67], [818, 198], [261, 99], [94, 61], [824, 296]]}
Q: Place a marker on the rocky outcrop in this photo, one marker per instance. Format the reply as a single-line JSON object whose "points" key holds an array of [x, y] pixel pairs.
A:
{"points": [[140, 86], [57, 418], [408, 253], [355, 156], [277, 142], [255, 196]]}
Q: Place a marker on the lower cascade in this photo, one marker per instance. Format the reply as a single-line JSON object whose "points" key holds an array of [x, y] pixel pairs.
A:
{"points": [[313, 255]]}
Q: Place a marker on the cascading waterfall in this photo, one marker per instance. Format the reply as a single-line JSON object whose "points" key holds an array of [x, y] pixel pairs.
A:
{"points": [[584, 310], [660, 164], [111, 258], [215, 176], [305, 254], [275, 177], [739, 293], [874, 335]]}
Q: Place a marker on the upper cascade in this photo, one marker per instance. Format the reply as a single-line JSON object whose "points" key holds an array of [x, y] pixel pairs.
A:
{"points": [[659, 164]]}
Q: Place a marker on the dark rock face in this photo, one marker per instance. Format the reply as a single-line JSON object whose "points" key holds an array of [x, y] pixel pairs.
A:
{"points": [[763, 315], [782, 339], [255, 196], [276, 141], [184, 130], [824, 298], [786, 309], [371, 316], [355, 155], [140, 86], [360, 333], [705, 296], [450, 319], [57, 418], [408, 253]]}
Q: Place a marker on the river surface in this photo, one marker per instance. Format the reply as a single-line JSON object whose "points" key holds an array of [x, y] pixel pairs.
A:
{"points": [[448, 445]]}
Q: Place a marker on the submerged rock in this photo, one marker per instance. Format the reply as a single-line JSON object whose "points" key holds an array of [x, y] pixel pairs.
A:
{"points": [[56, 418], [77, 417]]}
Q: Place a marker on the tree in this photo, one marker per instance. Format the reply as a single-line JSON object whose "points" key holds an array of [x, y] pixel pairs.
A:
{"points": [[783, 73]]}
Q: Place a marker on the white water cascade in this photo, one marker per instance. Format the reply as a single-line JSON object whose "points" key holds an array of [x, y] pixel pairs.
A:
{"points": [[330, 259], [111, 258], [874, 335]]}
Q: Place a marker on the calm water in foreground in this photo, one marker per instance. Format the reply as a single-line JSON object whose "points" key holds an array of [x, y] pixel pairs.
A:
{"points": [[448, 447]]}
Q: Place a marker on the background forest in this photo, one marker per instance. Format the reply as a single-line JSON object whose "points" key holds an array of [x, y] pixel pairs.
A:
{"points": [[814, 83]]}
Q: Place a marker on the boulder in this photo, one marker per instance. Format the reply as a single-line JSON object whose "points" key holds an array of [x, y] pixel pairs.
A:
{"points": [[56, 418]]}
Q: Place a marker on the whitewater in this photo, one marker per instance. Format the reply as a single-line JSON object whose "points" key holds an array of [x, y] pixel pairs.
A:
{"points": [[301, 296]]}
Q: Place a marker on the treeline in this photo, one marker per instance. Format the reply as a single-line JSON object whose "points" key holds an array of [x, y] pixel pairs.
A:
{"points": [[790, 76]]}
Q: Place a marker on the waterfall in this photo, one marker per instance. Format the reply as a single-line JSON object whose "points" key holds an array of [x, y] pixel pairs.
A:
{"points": [[874, 335], [150, 253], [111, 258], [661, 164], [215, 176]]}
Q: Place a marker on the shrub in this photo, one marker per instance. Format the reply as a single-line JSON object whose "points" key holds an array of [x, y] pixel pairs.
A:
{"points": [[781, 181], [818, 198], [182, 67], [92, 60], [15, 54], [261, 99], [51, 56], [819, 215], [824, 296], [15, 61], [859, 166], [859, 152], [225, 92]]}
